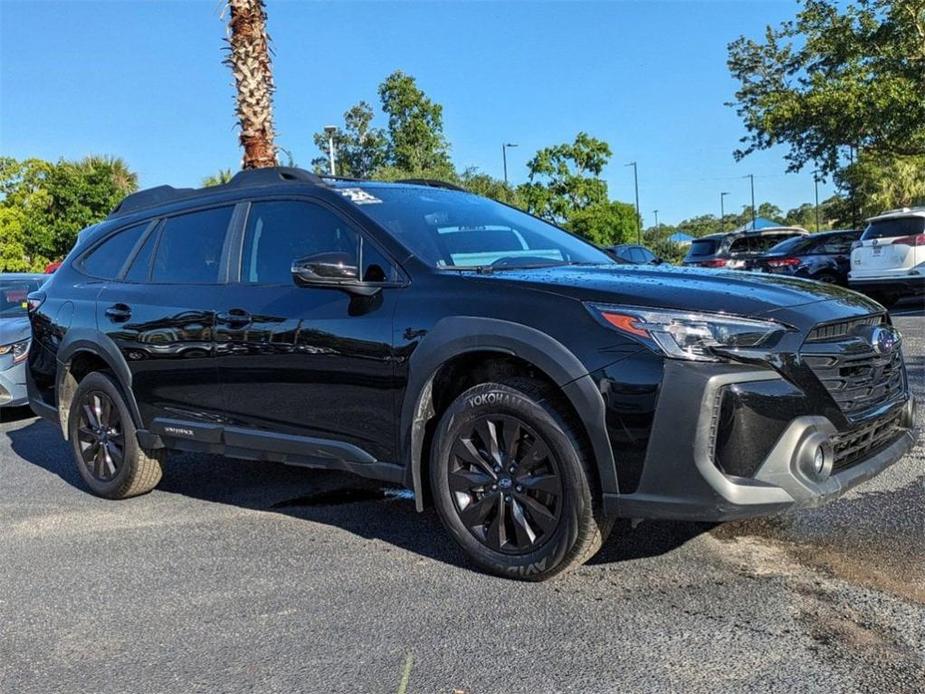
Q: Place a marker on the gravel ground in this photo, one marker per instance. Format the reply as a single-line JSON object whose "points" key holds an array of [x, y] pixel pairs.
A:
{"points": [[249, 577]]}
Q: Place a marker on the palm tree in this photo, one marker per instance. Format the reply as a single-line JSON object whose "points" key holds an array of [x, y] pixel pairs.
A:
{"points": [[249, 59]]}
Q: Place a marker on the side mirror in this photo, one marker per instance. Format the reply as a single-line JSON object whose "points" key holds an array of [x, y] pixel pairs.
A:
{"points": [[335, 270]]}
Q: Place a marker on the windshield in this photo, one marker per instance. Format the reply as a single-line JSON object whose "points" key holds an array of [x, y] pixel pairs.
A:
{"points": [[452, 229], [899, 226], [13, 295]]}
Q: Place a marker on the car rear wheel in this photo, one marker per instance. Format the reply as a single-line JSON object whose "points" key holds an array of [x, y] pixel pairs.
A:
{"points": [[103, 436], [512, 484]]}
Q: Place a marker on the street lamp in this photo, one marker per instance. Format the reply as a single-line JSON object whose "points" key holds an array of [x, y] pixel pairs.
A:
{"points": [[754, 215], [638, 218], [816, 186], [329, 130], [656, 220], [722, 212], [504, 157]]}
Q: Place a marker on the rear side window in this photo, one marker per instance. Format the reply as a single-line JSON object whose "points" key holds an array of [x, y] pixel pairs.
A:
{"points": [[701, 247], [837, 244], [282, 231], [189, 249], [106, 260], [900, 226], [141, 263]]}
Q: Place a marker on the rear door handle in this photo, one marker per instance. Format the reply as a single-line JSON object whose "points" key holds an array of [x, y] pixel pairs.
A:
{"points": [[234, 316], [119, 312]]}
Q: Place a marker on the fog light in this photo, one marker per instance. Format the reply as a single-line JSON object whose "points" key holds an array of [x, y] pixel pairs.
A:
{"points": [[815, 457], [819, 461]]}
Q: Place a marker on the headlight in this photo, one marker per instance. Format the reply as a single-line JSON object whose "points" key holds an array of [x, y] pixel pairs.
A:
{"points": [[20, 350], [684, 335]]}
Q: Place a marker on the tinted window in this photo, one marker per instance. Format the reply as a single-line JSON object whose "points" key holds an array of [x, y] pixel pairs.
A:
{"points": [[758, 244], [108, 258], [901, 226], [190, 247], [141, 263], [645, 255], [700, 247], [446, 228], [836, 244], [282, 231], [789, 246]]}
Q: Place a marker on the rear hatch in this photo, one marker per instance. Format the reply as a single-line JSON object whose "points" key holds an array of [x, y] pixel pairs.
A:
{"points": [[745, 250], [890, 247]]}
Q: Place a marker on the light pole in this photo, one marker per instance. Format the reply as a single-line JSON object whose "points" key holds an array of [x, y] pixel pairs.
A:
{"points": [[504, 158], [656, 220], [329, 131], [816, 186], [638, 218], [722, 211], [751, 177]]}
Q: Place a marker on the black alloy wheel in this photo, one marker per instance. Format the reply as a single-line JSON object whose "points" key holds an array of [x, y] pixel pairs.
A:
{"points": [[100, 436], [506, 484]]}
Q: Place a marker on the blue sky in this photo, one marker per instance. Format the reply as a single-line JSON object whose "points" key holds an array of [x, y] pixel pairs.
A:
{"points": [[144, 81]]}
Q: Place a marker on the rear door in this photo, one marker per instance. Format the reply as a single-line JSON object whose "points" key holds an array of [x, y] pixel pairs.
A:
{"points": [[160, 313], [307, 361], [890, 247]]}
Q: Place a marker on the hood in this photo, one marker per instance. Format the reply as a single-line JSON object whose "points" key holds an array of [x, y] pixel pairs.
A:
{"points": [[692, 289], [14, 329]]}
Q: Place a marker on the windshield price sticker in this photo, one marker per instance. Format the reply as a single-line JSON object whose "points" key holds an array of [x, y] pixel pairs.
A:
{"points": [[358, 196]]}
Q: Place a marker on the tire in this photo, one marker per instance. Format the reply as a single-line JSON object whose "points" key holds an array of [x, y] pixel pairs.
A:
{"points": [[101, 432], [530, 521], [827, 278]]}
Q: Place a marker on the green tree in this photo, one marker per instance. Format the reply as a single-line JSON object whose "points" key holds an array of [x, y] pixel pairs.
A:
{"points": [[13, 254], [416, 143], [604, 223], [55, 201], [217, 179], [880, 182], [564, 179], [480, 183], [840, 76], [360, 148]]}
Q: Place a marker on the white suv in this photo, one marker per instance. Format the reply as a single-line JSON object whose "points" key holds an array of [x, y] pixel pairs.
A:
{"points": [[889, 260]]}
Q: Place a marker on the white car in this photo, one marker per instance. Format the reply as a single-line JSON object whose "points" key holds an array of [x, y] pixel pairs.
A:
{"points": [[888, 262]]}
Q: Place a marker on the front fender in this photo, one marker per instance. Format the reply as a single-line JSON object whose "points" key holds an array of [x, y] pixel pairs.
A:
{"points": [[458, 335]]}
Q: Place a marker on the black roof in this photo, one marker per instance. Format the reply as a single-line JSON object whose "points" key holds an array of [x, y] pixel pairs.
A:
{"points": [[251, 178]]}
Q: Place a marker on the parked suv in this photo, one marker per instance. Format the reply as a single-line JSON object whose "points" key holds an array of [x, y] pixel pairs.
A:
{"points": [[824, 257], [889, 260], [509, 373], [737, 250]]}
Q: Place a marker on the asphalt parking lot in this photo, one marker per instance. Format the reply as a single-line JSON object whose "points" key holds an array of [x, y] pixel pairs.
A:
{"points": [[249, 577]]}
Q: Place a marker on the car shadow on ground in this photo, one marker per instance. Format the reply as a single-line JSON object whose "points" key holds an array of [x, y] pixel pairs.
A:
{"points": [[365, 508]]}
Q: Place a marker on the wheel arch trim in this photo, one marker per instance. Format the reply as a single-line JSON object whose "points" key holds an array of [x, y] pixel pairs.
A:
{"points": [[456, 336]]}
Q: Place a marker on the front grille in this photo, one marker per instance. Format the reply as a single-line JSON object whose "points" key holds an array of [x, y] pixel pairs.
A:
{"points": [[852, 447], [858, 381], [833, 331]]}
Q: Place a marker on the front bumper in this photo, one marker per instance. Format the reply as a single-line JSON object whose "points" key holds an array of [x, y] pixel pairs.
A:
{"points": [[703, 463], [13, 386], [900, 285]]}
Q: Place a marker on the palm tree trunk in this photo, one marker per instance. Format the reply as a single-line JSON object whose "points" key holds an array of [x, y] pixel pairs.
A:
{"points": [[249, 59]]}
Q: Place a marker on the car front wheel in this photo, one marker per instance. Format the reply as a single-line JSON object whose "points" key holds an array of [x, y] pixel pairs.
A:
{"points": [[512, 483]]}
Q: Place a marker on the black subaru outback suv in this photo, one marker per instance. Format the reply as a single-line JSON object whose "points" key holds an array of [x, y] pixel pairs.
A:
{"points": [[510, 374]]}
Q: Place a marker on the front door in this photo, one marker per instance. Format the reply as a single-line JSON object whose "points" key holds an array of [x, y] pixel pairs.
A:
{"points": [[308, 361]]}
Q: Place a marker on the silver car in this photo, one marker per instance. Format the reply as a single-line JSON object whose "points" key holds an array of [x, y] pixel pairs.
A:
{"points": [[15, 334]]}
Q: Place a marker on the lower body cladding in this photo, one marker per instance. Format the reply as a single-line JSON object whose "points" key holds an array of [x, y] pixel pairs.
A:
{"points": [[731, 442], [892, 286]]}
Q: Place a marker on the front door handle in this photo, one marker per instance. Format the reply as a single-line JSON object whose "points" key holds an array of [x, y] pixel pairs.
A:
{"points": [[119, 312], [234, 317]]}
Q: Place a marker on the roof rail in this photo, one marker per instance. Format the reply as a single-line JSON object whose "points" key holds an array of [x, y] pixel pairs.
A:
{"points": [[271, 175], [433, 183], [250, 177]]}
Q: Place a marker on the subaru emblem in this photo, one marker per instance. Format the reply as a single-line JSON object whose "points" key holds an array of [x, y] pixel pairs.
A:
{"points": [[884, 340]]}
